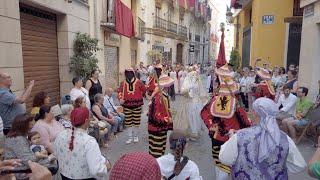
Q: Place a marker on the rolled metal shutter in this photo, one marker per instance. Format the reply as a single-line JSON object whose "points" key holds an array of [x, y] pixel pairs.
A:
{"points": [[40, 52]]}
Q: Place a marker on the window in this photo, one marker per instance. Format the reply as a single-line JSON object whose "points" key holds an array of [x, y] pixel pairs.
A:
{"points": [[197, 38], [157, 12]]}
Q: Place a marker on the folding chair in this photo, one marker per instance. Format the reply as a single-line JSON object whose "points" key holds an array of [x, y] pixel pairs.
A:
{"points": [[313, 115]]}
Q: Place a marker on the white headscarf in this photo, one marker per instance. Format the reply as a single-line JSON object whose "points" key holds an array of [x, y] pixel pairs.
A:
{"points": [[270, 135]]}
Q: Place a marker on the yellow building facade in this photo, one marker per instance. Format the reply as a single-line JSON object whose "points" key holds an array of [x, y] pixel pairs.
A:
{"points": [[262, 30]]}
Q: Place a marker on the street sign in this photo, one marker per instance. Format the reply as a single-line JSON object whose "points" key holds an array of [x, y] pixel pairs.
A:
{"points": [[191, 48], [267, 19], [309, 11]]}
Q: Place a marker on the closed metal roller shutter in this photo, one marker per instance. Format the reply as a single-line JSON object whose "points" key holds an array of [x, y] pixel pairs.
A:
{"points": [[112, 66], [40, 52]]}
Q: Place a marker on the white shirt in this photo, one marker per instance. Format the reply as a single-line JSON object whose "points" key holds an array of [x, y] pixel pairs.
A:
{"points": [[84, 161], [295, 162], [75, 93], [289, 103], [109, 104], [150, 69], [167, 164], [245, 83]]}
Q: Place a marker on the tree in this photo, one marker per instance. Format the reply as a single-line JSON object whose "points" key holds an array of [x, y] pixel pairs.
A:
{"points": [[235, 59], [84, 61]]}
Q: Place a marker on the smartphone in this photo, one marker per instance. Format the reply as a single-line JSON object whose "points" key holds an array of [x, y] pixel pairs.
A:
{"points": [[24, 169], [15, 171]]}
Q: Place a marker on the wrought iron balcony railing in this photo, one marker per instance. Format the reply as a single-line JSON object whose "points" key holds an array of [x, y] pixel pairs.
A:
{"points": [[183, 31], [160, 23], [141, 29], [172, 27]]}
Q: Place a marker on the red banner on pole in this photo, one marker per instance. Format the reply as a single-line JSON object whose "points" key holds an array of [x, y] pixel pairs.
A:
{"points": [[222, 54]]}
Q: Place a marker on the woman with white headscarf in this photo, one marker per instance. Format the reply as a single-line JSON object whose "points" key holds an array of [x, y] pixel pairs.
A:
{"points": [[263, 151]]}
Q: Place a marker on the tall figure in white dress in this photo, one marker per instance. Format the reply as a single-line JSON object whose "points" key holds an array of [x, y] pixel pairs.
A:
{"points": [[193, 88]]}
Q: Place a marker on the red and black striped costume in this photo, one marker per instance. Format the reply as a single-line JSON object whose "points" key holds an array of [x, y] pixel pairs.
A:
{"points": [[132, 93], [159, 122], [239, 120]]}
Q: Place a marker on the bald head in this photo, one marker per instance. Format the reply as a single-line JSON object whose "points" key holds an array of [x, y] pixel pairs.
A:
{"points": [[109, 91], [5, 80]]}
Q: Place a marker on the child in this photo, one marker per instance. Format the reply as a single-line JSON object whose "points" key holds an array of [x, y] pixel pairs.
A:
{"points": [[39, 150]]}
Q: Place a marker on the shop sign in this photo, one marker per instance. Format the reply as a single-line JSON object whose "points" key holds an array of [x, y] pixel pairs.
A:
{"points": [[309, 10], [191, 48], [268, 19], [112, 39]]}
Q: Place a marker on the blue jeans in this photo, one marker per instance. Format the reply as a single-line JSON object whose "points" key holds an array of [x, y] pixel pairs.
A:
{"points": [[119, 121]]}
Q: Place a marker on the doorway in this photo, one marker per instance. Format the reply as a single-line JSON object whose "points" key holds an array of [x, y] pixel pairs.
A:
{"points": [[294, 43], [246, 47], [179, 53]]}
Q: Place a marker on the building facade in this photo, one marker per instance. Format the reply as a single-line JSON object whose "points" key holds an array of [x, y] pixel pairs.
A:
{"points": [[175, 29], [309, 73], [268, 29], [36, 41]]}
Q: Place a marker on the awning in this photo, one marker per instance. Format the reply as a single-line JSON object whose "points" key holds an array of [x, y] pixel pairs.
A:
{"points": [[124, 20]]}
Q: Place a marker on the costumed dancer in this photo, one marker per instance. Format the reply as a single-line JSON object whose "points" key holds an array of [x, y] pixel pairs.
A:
{"points": [[160, 119], [194, 90], [264, 87], [223, 115], [131, 93]]}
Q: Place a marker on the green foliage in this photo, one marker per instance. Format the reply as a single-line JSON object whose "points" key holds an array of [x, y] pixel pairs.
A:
{"points": [[84, 61], [235, 59]]}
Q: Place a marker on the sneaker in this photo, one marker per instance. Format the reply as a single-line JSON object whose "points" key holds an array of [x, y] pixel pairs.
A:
{"points": [[135, 139], [129, 141]]}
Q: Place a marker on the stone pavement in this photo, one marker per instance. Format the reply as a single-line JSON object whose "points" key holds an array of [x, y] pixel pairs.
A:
{"points": [[199, 151]]}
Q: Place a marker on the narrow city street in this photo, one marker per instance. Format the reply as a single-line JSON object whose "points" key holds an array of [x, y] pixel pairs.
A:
{"points": [[199, 152]]}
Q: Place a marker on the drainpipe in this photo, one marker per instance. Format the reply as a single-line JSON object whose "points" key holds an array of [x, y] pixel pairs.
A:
{"points": [[95, 16]]}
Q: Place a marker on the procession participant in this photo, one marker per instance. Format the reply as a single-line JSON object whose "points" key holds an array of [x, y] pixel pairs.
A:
{"points": [[194, 91], [262, 151], [175, 165], [223, 115], [131, 93], [264, 87], [159, 115]]}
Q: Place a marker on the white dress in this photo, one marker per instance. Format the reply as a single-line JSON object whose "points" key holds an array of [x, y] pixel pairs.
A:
{"points": [[190, 111], [173, 75]]}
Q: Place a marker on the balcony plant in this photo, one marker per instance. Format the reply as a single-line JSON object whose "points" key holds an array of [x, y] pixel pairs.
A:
{"points": [[84, 58]]}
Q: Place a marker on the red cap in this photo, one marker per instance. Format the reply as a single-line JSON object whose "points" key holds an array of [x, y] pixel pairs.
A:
{"points": [[79, 116]]}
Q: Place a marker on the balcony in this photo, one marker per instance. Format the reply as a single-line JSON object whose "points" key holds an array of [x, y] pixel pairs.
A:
{"points": [[172, 27], [183, 31], [109, 14], [140, 29], [160, 23]]}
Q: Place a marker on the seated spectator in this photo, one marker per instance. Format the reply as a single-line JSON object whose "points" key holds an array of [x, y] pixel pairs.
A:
{"points": [[78, 90], [39, 150], [101, 113], [314, 163], [115, 111], [79, 102], [287, 104], [136, 166], [292, 81], [174, 165], [40, 99], [262, 151], [47, 127], [303, 106], [66, 110], [17, 145], [10, 104], [78, 153]]}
